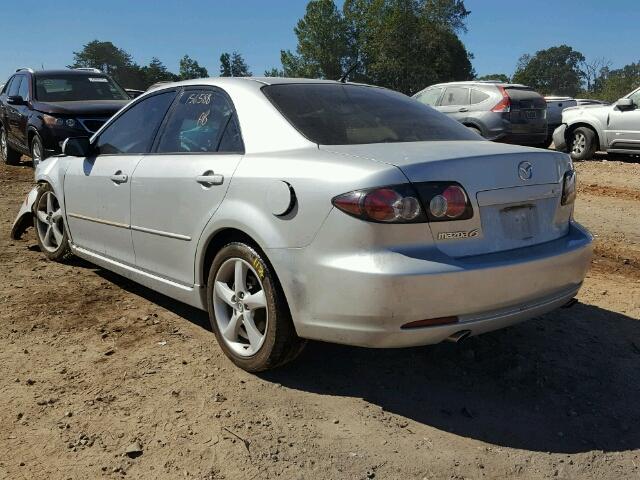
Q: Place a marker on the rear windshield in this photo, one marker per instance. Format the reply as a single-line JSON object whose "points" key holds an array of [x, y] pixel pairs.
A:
{"points": [[526, 97], [335, 114], [66, 88]]}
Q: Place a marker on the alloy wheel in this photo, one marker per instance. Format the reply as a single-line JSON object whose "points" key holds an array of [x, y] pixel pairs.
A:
{"points": [[36, 152], [240, 307], [579, 143], [49, 222]]}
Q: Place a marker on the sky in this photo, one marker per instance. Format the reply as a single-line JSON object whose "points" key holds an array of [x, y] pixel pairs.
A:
{"points": [[499, 32]]}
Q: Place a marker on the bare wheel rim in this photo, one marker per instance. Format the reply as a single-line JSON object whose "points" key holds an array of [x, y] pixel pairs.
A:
{"points": [[49, 222], [3, 143], [579, 143], [36, 151], [240, 307]]}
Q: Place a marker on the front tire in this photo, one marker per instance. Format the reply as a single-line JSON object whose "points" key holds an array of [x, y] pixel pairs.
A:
{"points": [[248, 312], [582, 142], [37, 150], [49, 223], [8, 154]]}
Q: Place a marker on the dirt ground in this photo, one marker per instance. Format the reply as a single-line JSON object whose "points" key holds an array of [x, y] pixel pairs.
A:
{"points": [[93, 366]]}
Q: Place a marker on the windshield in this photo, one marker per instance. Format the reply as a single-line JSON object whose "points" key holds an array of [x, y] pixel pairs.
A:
{"points": [[67, 88], [336, 114]]}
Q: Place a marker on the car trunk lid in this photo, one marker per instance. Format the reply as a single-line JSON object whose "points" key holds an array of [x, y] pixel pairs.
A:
{"points": [[511, 209]]}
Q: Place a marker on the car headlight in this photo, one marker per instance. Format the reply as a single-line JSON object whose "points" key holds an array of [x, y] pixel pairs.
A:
{"points": [[52, 121]]}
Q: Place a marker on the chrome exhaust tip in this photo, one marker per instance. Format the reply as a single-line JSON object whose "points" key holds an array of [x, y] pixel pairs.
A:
{"points": [[458, 336]]}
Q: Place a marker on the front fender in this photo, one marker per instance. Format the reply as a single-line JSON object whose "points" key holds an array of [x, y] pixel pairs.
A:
{"points": [[584, 117], [24, 220]]}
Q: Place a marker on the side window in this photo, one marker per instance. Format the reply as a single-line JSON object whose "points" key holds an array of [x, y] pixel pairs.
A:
{"points": [[456, 96], [430, 96], [197, 122], [477, 96], [134, 130], [231, 141], [23, 90], [15, 86]]}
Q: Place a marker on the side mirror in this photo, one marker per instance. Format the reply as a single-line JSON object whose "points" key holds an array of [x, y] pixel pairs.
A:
{"points": [[77, 147], [16, 100], [625, 104]]}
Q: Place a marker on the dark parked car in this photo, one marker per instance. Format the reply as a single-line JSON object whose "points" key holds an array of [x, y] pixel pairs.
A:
{"points": [[506, 112], [39, 110]]}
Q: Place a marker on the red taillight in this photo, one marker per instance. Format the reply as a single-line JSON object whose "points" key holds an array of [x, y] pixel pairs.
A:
{"points": [[504, 105], [410, 203], [398, 204], [451, 203]]}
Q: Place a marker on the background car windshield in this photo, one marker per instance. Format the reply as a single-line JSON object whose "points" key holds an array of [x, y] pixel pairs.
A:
{"points": [[335, 114], [66, 88]]}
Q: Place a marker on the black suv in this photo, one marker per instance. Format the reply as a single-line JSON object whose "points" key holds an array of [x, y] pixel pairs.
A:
{"points": [[39, 110]]}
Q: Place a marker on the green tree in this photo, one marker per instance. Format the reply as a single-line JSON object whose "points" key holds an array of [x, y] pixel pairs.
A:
{"points": [[156, 71], [401, 44], [615, 84], [556, 70], [233, 65], [110, 59], [274, 72], [323, 37], [190, 68], [501, 77]]}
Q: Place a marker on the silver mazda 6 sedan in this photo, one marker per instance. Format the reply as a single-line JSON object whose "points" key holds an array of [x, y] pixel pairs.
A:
{"points": [[305, 209]]}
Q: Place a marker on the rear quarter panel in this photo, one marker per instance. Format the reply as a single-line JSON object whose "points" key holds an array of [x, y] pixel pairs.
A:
{"points": [[315, 176]]}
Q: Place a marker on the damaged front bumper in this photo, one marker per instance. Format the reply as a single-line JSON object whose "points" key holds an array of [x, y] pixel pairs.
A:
{"points": [[24, 220]]}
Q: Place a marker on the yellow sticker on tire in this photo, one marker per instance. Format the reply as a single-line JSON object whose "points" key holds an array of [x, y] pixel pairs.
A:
{"points": [[257, 265]]}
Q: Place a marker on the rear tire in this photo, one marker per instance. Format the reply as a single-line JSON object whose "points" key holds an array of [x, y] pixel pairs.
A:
{"points": [[582, 143], [8, 154], [248, 311]]}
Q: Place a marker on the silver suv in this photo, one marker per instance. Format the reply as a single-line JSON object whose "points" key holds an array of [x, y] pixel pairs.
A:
{"points": [[607, 128], [506, 112]]}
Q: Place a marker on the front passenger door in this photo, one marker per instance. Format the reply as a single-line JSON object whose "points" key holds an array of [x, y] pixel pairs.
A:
{"points": [[97, 189], [623, 129]]}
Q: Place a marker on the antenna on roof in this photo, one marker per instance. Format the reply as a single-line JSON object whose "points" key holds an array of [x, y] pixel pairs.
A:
{"points": [[343, 78]]}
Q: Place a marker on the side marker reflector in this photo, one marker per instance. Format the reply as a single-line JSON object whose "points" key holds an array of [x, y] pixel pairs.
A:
{"points": [[430, 322]]}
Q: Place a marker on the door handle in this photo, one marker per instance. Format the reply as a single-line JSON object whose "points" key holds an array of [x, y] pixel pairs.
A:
{"points": [[209, 178], [119, 177], [463, 109]]}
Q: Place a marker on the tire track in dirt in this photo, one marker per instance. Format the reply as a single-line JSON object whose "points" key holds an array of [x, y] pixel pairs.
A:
{"points": [[610, 191]]}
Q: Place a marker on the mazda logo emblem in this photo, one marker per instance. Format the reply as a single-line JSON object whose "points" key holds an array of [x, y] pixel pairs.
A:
{"points": [[525, 171]]}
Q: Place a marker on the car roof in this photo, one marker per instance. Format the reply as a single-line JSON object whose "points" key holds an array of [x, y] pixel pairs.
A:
{"points": [[249, 82], [497, 83], [66, 71]]}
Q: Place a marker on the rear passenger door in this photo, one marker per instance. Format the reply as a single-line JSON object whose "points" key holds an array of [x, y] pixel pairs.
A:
{"points": [[177, 188], [455, 102]]}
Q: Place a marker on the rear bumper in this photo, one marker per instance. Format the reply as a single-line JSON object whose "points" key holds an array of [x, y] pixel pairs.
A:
{"points": [[366, 297], [525, 138], [559, 138]]}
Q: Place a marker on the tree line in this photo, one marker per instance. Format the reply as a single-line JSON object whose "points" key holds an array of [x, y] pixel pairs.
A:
{"points": [[405, 45], [120, 65]]}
